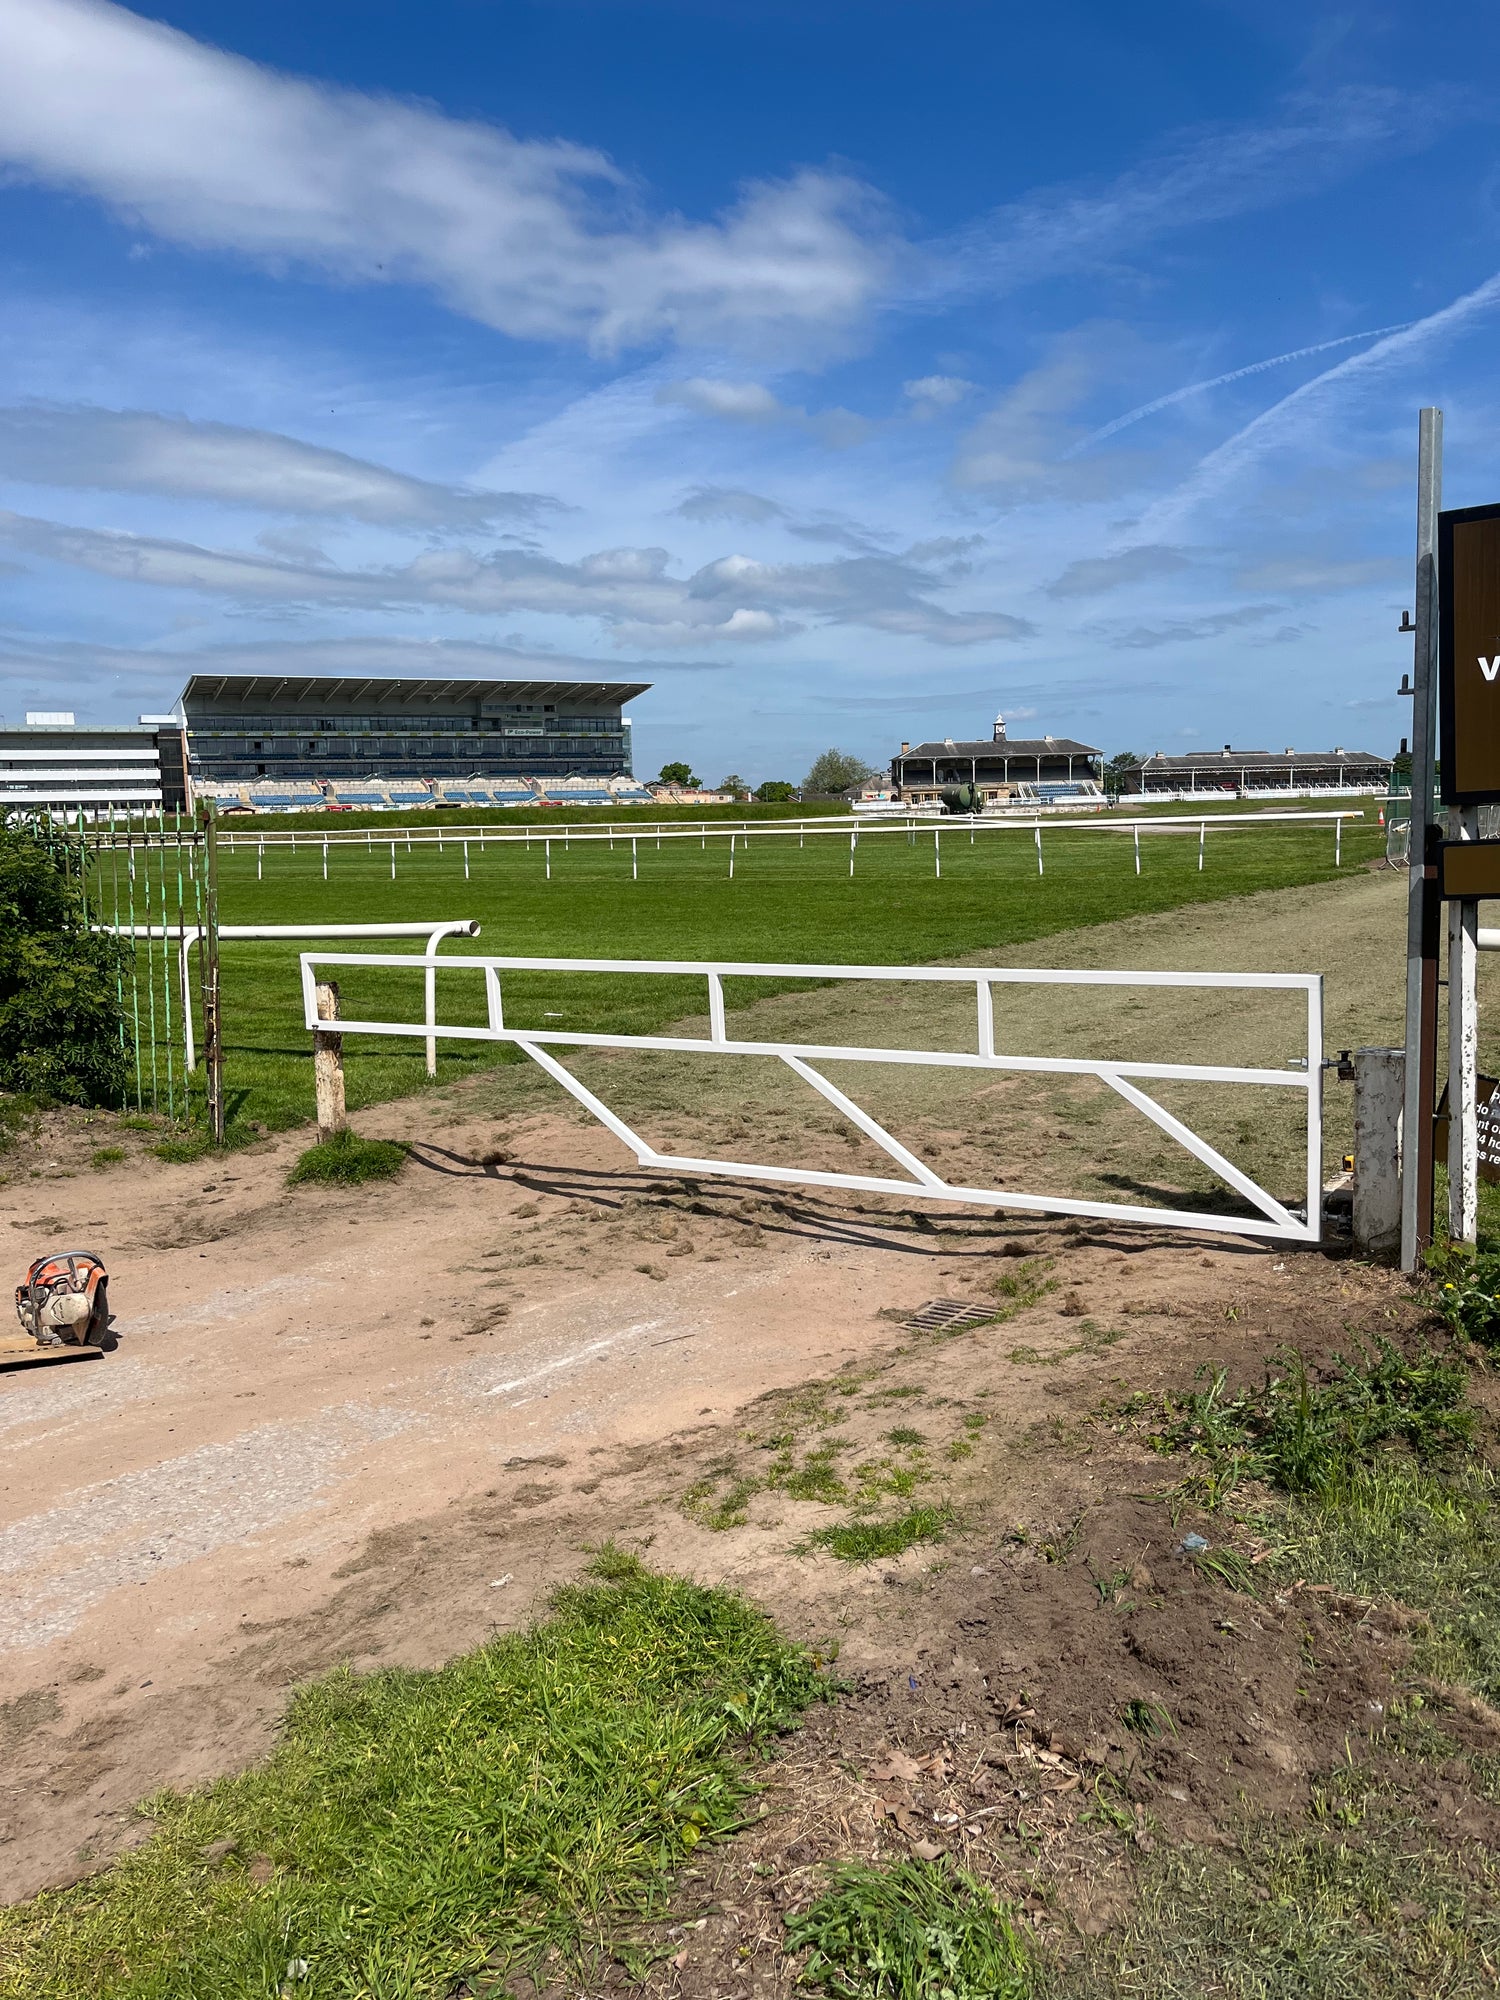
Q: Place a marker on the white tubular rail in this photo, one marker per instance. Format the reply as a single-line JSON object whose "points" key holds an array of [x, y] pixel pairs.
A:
{"points": [[571, 832], [190, 934], [1273, 1219]]}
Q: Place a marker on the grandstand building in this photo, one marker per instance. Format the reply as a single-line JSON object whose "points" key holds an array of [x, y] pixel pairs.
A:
{"points": [[57, 765], [1047, 770], [279, 741], [1302, 774]]}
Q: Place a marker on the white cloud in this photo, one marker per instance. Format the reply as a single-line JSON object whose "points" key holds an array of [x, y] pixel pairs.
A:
{"points": [[1176, 631], [739, 402], [1015, 451], [930, 394], [630, 590], [539, 238], [752, 403], [139, 451], [729, 503], [1287, 422], [1203, 175], [1091, 576], [461, 659]]}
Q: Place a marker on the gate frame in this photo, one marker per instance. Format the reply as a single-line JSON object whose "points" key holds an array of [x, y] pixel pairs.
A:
{"points": [[1277, 1223]]}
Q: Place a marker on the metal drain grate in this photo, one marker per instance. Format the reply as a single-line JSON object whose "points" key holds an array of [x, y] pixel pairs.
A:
{"points": [[948, 1316]]}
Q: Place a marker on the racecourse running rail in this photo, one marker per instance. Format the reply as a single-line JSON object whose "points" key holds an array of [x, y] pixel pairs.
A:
{"points": [[1272, 1218]]}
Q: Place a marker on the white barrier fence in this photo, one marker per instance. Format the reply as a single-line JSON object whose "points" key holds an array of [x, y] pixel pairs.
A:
{"points": [[188, 935], [1273, 1219]]}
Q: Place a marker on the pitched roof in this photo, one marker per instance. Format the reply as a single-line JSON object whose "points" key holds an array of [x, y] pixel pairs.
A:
{"points": [[1012, 746], [1209, 760]]}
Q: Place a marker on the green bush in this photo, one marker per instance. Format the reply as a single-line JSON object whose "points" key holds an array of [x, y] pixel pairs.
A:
{"points": [[346, 1159], [60, 1025]]}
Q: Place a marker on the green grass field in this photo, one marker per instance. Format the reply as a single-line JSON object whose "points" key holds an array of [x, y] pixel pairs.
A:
{"points": [[787, 903]]}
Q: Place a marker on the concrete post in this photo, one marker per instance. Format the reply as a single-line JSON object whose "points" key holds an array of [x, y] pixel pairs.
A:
{"points": [[1379, 1088], [328, 1064]]}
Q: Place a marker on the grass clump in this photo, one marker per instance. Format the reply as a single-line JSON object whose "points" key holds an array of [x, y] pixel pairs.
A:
{"points": [[416, 1830], [345, 1160], [106, 1156], [916, 1931], [869, 1541], [1431, 1543], [1308, 1437]]}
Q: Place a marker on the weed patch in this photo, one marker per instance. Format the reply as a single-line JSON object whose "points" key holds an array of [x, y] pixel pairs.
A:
{"points": [[916, 1931], [1308, 1437], [345, 1160], [1468, 1296], [416, 1830], [869, 1541]]}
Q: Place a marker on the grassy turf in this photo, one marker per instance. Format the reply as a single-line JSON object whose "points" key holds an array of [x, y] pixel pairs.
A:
{"points": [[346, 1159], [787, 903], [916, 1931], [414, 1830]]}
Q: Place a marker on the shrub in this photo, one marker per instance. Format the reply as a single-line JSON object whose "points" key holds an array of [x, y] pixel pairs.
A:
{"points": [[60, 1025]]}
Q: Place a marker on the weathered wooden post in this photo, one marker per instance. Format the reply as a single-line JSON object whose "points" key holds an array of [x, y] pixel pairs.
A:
{"points": [[328, 1064]]}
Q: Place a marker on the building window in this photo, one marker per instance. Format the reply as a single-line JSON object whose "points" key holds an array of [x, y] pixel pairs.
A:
{"points": [[260, 769]]}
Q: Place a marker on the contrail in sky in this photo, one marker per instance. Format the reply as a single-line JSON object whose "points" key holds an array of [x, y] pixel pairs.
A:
{"points": [[1234, 375], [1169, 514]]}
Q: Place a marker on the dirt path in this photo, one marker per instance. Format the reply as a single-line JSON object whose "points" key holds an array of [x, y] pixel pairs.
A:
{"points": [[374, 1425]]}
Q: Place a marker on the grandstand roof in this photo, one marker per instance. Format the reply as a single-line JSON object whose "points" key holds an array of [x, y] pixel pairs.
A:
{"points": [[1264, 760], [324, 690], [1007, 746]]}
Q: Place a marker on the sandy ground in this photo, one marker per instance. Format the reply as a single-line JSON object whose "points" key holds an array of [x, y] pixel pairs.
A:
{"points": [[459, 1379]]}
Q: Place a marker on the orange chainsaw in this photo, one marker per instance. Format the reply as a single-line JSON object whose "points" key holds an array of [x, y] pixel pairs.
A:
{"points": [[63, 1307]]}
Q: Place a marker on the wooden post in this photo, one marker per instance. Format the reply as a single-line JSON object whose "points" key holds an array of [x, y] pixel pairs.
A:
{"points": [[328, 1064]]}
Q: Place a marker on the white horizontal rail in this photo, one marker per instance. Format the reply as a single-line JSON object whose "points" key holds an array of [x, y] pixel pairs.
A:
{"points": [[1121, 1075], [187, 935], [571, 832]]}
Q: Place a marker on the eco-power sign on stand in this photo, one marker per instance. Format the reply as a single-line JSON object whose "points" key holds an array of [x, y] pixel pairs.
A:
{"points": [[1458, 606]]}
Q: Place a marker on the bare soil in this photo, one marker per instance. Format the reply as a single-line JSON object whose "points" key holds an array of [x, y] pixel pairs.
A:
{"points": [[377, 1425]]}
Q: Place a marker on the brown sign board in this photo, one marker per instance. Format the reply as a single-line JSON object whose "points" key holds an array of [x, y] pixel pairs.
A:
{"points": [[1469, 655], [1468, 870], [1488, 1122]]}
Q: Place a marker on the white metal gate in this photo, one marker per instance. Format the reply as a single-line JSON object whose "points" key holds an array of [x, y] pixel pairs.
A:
{"points": [[1273, 1219]]}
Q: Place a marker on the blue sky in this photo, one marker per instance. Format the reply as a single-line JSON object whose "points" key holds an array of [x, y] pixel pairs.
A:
{"points": [[849, 372]]}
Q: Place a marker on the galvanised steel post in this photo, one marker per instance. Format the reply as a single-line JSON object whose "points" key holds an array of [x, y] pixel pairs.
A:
{"points": [[1423, 909]]}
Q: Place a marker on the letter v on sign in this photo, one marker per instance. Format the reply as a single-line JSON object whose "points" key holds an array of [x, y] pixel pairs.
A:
{"points": [[1489, 668]]}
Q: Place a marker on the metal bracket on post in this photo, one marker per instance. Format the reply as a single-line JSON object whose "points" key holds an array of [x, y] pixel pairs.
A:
{"points": [[1422, 918], [328, 1064]]}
